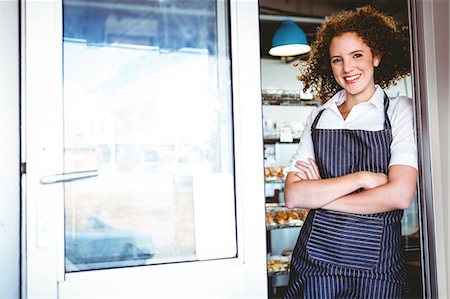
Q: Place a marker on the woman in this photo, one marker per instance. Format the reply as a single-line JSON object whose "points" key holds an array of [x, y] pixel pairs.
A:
{"points": [[356, 164]]}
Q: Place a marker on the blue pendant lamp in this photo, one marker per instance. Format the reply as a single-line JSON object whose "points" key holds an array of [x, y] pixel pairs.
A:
{"points": [[289, 40]]}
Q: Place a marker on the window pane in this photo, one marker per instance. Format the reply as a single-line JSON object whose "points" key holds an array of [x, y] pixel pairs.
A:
{"points": [[147, 103]]}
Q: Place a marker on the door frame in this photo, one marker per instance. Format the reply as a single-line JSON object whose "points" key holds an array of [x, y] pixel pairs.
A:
{"points": [[9, 150], [431, 211]]}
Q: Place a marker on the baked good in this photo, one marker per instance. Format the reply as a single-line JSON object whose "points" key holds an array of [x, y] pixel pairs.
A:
{"points": [[282, 217], [287, 252], [269, 219]]}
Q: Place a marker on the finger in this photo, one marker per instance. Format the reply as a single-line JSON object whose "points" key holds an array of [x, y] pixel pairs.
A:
{"points": [[310, 169], [307, 168], [315, 168], [301, 175], [303, 166]]}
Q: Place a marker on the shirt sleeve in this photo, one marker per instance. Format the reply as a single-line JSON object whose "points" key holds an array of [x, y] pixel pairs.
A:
{"points": [[403, 146], [305, 148]]}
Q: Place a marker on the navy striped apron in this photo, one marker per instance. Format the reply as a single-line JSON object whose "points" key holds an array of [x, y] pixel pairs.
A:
{"points": [[344, 255]]}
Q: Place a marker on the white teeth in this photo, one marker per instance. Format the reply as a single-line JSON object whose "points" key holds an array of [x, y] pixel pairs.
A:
{"points": [[351, 78]]}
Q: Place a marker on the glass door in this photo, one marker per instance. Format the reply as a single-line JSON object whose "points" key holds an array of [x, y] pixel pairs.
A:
{"points": [[147, 117], [132, 146]]}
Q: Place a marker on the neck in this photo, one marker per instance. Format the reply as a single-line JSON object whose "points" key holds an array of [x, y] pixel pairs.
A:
{"points": [[352, 100]]}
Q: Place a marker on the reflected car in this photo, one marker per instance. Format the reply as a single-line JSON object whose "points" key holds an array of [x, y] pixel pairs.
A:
{"points": [[100, 246]]}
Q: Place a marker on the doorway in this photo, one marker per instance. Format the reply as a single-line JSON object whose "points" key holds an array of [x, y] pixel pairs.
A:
{"points": [[285, 109]]}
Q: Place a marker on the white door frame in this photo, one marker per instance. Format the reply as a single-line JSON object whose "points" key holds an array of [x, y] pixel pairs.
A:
{"points": [[9, 151]]}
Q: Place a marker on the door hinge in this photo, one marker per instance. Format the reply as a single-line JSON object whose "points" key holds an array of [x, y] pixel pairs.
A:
{"points": [[23, 168]]}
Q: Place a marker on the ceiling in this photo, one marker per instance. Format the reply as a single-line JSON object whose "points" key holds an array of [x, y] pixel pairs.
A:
{"points": [[309, 14]]}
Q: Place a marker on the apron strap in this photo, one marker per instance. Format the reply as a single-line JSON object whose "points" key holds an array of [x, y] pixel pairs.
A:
{"points": [[316, 119], [387, 122]]}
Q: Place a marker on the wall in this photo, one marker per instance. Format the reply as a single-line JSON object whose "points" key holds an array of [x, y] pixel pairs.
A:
{"points": [[278, 74], [9, 151]]}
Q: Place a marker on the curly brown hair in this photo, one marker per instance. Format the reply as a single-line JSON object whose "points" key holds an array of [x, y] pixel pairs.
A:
{"points": [[386, 38]]}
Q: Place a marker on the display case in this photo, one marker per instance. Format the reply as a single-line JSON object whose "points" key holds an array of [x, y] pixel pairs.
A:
{"points": [[284, 116], [283, 226]]}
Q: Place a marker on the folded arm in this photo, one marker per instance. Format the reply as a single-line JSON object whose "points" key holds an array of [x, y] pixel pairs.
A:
{"points": [[305, 188], [397, 194]]}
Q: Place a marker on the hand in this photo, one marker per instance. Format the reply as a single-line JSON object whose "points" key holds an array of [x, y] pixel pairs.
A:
{"points": [[373, 179], [308, 170]]}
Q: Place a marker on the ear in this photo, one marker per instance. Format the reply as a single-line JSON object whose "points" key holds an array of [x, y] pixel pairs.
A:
{"points": [[376, 60]]}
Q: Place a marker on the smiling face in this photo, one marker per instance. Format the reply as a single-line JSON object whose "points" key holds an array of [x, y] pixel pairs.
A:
{"points": [[353, 64]]}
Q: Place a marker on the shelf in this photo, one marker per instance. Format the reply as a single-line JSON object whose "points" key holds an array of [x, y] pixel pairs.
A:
{"points": [[275, 174], [277, 273], [287, 225], [274, 181], [286, 97], [280, 217], [277, 102], [278, 264], [274, 140]]}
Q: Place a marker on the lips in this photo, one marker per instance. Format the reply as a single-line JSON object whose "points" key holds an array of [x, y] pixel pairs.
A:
{"points": [[351, 79]]}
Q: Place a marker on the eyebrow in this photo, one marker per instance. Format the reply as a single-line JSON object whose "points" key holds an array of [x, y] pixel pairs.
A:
{"points": [[353, 52]]}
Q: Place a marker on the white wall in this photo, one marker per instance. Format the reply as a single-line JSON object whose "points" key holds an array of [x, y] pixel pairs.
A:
{"points": [[9, 151], [275, 73]]}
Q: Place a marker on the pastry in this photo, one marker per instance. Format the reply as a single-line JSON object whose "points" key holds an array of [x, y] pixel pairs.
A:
{"points": [[281, 217]]}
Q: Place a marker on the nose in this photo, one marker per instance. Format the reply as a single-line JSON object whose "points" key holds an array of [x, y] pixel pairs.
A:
{"points": [[348, 65]]}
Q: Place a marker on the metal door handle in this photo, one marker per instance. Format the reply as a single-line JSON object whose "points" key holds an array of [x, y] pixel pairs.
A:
{"points": [[68, 177]]}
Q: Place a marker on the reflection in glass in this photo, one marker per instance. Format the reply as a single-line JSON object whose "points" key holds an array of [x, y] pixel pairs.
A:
{"points": [[147, 102]]}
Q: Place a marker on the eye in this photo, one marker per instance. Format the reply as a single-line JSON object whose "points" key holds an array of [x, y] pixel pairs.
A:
{"points": [[357, 55], [336, 60]]}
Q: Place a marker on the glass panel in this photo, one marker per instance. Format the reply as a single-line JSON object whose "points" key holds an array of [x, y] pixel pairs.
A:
{"points": [[147, 103]]}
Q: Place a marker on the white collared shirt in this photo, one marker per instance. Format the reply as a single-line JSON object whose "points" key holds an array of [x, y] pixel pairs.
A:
{"points": [[366, 116]]}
